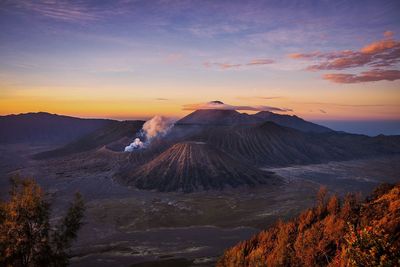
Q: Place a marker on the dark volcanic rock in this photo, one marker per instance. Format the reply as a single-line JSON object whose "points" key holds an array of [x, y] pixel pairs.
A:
{"points": [[191, 166]]}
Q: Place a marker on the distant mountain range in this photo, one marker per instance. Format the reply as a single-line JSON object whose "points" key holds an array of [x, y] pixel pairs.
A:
{"points": [[46, 128], [208, 149], [42, 127], [232, 117]]}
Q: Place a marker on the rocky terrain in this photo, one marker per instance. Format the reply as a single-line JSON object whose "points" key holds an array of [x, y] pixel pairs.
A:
{"points": [[126, 225], [190, 166]]}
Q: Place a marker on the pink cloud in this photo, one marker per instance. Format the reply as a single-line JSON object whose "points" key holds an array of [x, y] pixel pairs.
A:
{"points": [[380, 54], [305, 55], [388, 34], [366, 76], [261, 61], [227, 65], [383, 53], [253, 62], [380, 46]]}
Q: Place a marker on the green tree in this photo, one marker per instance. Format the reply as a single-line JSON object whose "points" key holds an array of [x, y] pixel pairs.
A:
{"points": [[26, 236]]}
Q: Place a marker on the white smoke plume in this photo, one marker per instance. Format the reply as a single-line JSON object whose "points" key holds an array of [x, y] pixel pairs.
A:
{"points": [[136, 144], [157, 126]]}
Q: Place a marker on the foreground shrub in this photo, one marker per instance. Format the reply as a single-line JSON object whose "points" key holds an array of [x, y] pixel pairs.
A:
{"points": [[26, 236], [335, 232]]}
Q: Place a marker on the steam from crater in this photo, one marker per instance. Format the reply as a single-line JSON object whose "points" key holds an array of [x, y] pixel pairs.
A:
{"points": [[137, 144], [157, 126]]}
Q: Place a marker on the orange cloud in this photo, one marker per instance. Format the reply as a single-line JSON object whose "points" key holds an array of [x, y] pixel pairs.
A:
{"points": [[383, 53], [343, 61], [379, 46], [304, 55], [366, 76], [388, 34]]}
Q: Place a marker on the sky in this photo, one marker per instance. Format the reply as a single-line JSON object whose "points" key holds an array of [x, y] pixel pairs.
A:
{"points": [[321, 60]]}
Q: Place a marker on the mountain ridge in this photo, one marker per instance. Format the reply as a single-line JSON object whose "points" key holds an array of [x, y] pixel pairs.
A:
{"points": [[43, 127], [269, 144], [113, 134], [226, 117]]}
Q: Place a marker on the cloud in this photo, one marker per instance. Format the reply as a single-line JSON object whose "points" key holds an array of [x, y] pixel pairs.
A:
{"points": [[220, 105], [388, 34], [383, 53], [161, 99], [380, 46], [366, 76], [69, 11], [304, 55], [227, 65], [260, 62], [59, 10], [253, 62]]}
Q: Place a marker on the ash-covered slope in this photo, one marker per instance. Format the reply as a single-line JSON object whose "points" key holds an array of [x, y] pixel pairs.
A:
{"points": [[191, 166], [114, 135]]}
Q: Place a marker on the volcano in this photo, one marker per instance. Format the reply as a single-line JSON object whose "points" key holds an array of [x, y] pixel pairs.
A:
{"points": [[222, 117], [191, 166], [217, 117]]}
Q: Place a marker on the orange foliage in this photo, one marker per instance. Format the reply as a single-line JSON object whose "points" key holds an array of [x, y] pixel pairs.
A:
{"points": [[324, 235]]}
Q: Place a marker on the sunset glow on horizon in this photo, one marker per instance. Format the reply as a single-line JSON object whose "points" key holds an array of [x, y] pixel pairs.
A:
{"points": [[136, 59]]}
